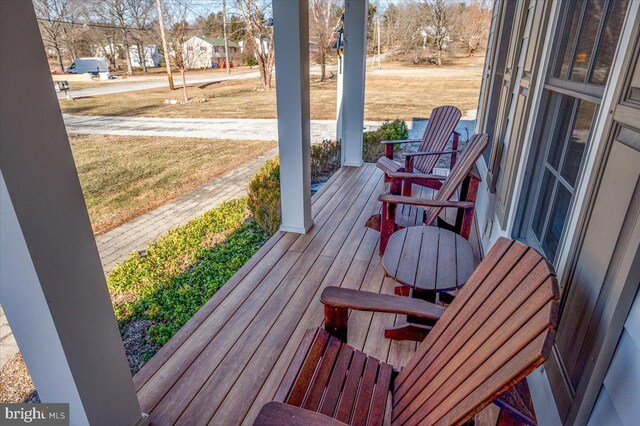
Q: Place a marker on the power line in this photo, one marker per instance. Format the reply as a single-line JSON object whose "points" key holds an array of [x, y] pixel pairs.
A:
{"points": [[91, 24], [109, 26]]}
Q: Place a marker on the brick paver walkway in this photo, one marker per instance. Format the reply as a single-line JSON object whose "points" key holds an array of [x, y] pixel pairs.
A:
{"points": [[116, 245]]}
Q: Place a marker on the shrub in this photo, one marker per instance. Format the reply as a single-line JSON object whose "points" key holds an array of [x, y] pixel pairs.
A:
{"points": [[264, 188], [325, 159], [183, 269], [394, 130], [372, 149], [264, 196]]}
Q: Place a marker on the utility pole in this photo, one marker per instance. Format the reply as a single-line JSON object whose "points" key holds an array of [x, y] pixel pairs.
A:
{"points": [[226, 40], [167, 61], [378, 24], [373, 58]]}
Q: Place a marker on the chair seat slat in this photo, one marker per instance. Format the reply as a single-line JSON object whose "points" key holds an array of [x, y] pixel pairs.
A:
{"points": [[330, 401]]}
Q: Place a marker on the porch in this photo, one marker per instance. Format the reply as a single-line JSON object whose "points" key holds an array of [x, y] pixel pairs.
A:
{"points": [[228, 360]]}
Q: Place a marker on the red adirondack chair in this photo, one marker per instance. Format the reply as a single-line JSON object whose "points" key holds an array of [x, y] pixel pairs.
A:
{"points": [[439, 128], [462, 176], [497, 330]]}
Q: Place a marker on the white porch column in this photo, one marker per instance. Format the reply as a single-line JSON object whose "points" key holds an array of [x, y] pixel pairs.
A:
{"points": [[52, 287], [291, 38], [351, 99]]}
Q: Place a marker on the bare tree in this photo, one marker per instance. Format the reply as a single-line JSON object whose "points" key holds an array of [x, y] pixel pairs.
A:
{"points": [[323, 20], [260, 37], [184, 56], [181, 54], [51, 16], [391, 21], [405, 25], [73, 10], [141, 13], [439, 22], [116, 13], [471, 24]]}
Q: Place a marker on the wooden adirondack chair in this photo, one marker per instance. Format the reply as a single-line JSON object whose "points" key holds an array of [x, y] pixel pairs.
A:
{"points": [[497, 330], [441, 125], [462, 176]]}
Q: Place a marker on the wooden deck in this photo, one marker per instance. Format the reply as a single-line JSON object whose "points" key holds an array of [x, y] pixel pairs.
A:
{"points": [[227, 361]]}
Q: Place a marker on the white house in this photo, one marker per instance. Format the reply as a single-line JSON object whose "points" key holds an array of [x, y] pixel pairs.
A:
{"points": [[261, 46], [151, 56], [207, 52]]}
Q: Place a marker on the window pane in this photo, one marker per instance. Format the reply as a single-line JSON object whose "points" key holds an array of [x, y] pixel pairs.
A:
{"points": [[562, 68], [543, 203], [559, 136], [587, 39], [578, 141], [609, 41], [556, 222]]}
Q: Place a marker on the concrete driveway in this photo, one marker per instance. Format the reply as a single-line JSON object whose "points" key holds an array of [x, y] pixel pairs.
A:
{"points": [[222, 128], [214, 128]]}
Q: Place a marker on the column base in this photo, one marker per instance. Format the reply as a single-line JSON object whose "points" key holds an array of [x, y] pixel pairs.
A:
{"points": [[296, 229]]}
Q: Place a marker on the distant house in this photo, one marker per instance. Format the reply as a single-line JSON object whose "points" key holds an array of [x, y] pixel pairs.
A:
{"points": [[151, 56], [207, 52], [261, 46], [108, 51]]}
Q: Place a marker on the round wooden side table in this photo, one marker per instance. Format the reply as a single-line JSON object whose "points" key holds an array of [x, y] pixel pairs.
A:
{"points": [[428, 258]]}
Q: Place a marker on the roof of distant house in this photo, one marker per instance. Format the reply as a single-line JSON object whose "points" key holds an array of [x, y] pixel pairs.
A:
{"points": [[218, 41]]}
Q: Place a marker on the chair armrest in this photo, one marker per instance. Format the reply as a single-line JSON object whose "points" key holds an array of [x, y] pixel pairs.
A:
{"points": [[424, 202], [279, 413], [337, 297], [425, 153], [410, 175], [400, 141]]}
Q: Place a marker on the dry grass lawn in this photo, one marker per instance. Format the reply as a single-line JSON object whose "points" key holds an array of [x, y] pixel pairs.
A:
{"points": [[404, 92], [407, 97], [122, 176]]}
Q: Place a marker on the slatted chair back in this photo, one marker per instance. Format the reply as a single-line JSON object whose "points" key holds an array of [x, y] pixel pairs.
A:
{"points": [[460, 170], [441, 125], [498, 329]]}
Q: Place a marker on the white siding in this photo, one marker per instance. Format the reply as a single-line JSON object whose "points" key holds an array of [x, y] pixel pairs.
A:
{"points": [[197, 53], [619, 399]]}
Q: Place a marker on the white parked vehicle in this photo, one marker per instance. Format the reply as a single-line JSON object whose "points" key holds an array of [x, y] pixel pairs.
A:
{"points": [[88, 65]]}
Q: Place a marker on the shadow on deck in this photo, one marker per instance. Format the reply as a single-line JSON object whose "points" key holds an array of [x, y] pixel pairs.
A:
{"points": [[228, 360]]}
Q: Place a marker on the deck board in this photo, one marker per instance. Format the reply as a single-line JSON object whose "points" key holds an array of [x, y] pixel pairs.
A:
{"points": [[229, 359]]}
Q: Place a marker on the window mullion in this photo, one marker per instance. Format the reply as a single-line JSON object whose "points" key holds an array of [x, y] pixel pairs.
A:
{"points": [[576, 40], [549, 209], [567, 137], [596, 45]]}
